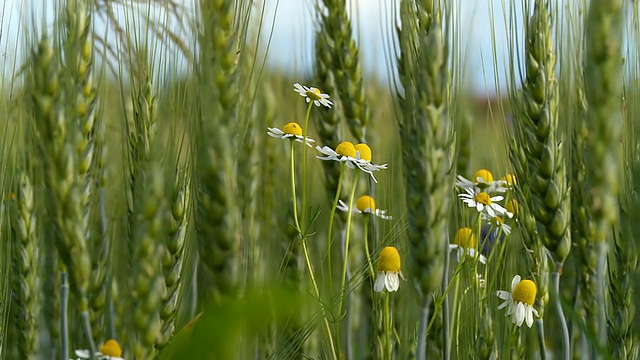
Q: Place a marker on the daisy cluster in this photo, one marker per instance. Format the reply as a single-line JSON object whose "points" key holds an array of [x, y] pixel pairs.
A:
{"points": [[485, 195], [356, 157]]}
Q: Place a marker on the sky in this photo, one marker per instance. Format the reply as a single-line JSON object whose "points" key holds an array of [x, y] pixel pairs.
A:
{"points": [[291, 25]]}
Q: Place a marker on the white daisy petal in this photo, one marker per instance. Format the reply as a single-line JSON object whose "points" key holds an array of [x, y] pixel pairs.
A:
{"points": [[392, 282], [378, 286], [529, 316], [514, 282], [519, 314]]}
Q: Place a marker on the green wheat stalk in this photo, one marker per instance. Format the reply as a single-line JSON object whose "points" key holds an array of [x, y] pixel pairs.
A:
{"points": [[218, 212], [624, 257], [602, 123], [427, 137], [26, 260]]}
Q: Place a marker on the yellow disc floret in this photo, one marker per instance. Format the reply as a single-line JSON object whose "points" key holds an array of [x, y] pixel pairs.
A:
{"points": [[465, 238], [365, 202], [485, 174], [483, 198], [510, 179], [314, 93], [111, 348], [525, 292], [346, 149], [389, 260], [365, 151], [512, 206], [292, 128], [496, 221]]}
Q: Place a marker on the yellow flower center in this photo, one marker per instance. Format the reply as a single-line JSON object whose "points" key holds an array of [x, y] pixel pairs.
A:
{"points": [[292, 128], [485, 174], [512, 206], [465, 238], [111, 348], [389, 260], [483, 198], [365, 151], [314, 93], [346, 149], [496, 221], [525, 292], [510, 179], [365, 202]]}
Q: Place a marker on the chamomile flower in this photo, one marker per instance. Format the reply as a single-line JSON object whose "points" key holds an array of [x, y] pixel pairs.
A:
{"points": [[509, 179], [291, 131], [363, 156], [110, 350], [483, 182], [519, 302], [512, 206], [483, 202], [497, 225], [464, 243], [365, 204], [346, 152], [313, 94], [388, 270]]}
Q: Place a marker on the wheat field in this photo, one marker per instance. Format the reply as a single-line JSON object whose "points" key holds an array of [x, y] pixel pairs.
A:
{"points": [[167, 195]]}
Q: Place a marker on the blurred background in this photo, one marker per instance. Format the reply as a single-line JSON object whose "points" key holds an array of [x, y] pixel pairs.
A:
{"points": [[286, 27]]}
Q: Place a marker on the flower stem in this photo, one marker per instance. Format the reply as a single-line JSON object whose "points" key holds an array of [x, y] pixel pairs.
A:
{"points": [[330, 231], [304, 165], [317, 293], [445, 305], [303, 239], [86, 324], [387, 326], [543, 348], [367, 251], [64, 324], [293, 191], [421, 348], [555, 279], [346, 242]]}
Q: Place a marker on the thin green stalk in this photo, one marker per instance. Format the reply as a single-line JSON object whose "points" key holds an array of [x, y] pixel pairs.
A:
{"points": [[304, 165], [86, 326], [346, 242], [331, 218], [555, 281], [64, 314], [421, 348], [540, 327], [367, 252], [293, 188], [304, 244], [387, 347], [445, 305], [317, 293]]}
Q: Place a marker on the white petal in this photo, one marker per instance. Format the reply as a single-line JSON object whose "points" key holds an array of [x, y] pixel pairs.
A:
{"points": [[515, 282], [85, 354], [482, 258], [479, 206], [497, 198], [378, 286], [342, 206], [503, 305], [519, 314], [392, 281], [490, 210], [529, 316], [383, 214]]}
